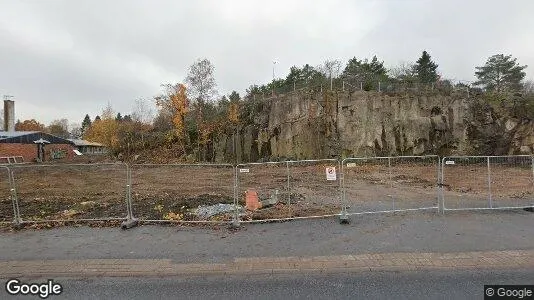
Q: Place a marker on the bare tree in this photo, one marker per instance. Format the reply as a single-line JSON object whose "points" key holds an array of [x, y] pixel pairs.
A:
{"points": [[142, 113], [403, 70], [201, 81], [75, 131], [331, 69], [202, 88], [59, 128]]}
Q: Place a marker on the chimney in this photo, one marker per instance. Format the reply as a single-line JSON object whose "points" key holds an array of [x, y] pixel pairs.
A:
{"points": [[9, 115]]}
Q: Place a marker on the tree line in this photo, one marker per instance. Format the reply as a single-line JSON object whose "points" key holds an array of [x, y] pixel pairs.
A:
{"points": [[191, 113]]}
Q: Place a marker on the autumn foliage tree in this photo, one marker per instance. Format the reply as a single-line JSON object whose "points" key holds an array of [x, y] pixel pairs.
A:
{"points": [[174, 102], [29, 125], [104, 130]]}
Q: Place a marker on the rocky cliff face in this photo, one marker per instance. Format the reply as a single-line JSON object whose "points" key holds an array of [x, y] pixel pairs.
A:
{"points": [[492, 132], [377, 124], [310, 125]]}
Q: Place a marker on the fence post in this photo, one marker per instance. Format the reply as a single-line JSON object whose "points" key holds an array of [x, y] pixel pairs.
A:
{"points": [[343, 216], [17, 220], [532, 163], [130, 220], [361, 86], [379, 87], [391, 181], [235, 220], [343, 88], [441, 181], [288, 186], [489, 183]]}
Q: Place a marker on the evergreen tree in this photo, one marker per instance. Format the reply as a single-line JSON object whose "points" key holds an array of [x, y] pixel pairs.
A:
{"points": [[425, 69], [367, 72], [501, 73], [86, 123], [118, 118], [234, 96]]}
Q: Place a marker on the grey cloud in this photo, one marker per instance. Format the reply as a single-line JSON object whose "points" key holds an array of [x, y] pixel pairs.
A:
{"points": [[75, 56]]}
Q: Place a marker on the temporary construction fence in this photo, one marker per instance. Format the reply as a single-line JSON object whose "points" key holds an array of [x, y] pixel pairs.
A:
{"points": [[264, 182], [315, 187], [174, 192], [70, 192], [290, 189], [387, 184], [8, 207], [219, 193], [488, 182]]}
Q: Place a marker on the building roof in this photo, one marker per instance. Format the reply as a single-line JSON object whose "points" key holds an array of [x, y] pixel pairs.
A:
{"points": [[29, 137], [78, 142], [10, 134]]}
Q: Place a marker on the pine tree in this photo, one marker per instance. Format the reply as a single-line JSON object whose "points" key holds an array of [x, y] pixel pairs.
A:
{"points": [[425, 69], [501, 73], [86, 123]]}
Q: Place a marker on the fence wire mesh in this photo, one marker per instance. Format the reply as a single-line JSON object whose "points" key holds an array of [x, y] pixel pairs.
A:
{"points": [[381, 184], [415, 181], [7, 211], [71, 192], [512, 181], [270, 191], [313, 193], [268, 184], [183, 193], [487, 182]]}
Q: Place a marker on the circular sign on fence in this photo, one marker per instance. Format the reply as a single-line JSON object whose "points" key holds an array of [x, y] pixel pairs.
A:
{"points": [[330, 173]]}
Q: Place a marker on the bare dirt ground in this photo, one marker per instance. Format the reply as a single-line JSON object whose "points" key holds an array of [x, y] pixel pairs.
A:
{"points": [[173, 192]]}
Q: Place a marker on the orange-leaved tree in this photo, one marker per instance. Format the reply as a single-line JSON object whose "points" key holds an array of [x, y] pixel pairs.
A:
{"points": [[174, 101], [105, 130], [29, 125]]}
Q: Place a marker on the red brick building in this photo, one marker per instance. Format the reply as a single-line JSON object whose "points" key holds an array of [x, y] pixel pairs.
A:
{"points": [[35, 146]]}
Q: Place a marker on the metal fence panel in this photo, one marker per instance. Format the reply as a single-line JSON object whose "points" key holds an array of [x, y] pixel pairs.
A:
{"points": [[380, 184], [313, 192], [488, 182], [173, 192], [512, 181], [366, 185], [465, 182], [7, 211], [269, 180], [71, 192], [415, 181]]}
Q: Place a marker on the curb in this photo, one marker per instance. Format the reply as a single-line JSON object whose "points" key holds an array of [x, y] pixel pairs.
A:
{"points": [[269, 265]]}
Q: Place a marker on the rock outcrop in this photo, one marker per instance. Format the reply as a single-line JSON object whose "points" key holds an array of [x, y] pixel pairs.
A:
{"points": [[309, 125]]}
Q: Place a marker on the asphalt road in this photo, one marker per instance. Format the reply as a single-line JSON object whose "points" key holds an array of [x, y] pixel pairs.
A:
{"points": [[370, 285], [402, 232]]}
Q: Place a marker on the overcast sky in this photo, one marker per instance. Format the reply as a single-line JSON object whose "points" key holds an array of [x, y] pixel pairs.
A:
{"points": [[63, 59]]}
